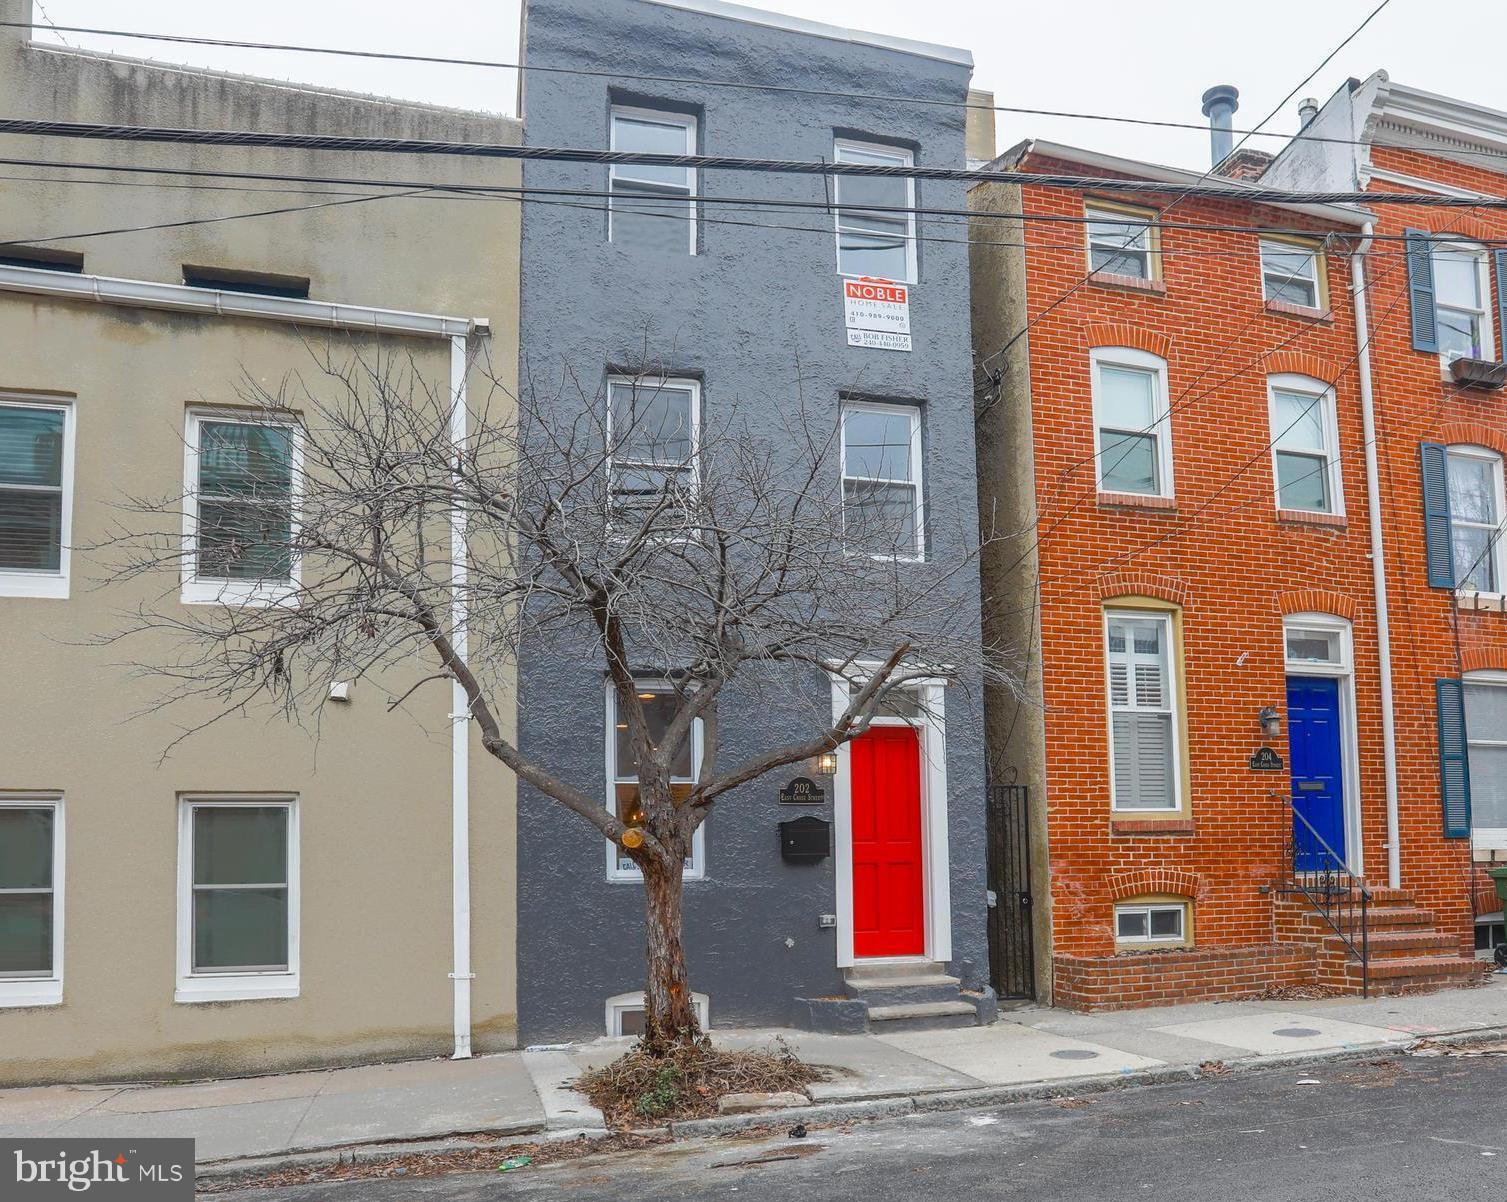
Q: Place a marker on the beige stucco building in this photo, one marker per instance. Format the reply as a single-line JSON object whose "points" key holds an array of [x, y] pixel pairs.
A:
{"points": [[266, 896]]}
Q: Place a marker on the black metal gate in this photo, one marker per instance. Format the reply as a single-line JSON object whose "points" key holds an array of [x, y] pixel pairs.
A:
{"points": [[1012, 960]]}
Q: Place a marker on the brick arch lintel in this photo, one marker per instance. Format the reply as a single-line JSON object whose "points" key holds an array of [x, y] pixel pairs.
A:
{"points": [[1124, 333], [1476, 434], [1303, 363], [1144, 584], [1140, 881], [1318, 601], [1483, 659], [1467, 229]]}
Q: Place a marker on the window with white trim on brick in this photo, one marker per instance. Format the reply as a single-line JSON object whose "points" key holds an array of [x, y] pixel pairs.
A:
{"points": [[1305, 445], [1290, 273], [1122, 241], [1143, 711], [1132, 422]]}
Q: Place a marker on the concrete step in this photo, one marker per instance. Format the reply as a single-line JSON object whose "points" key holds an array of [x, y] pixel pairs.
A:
{"points": [[922, 1016], [896, 991]]}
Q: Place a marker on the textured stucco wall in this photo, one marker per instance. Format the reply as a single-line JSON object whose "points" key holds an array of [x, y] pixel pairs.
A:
{"points": [[374, 787], [742, 314]]}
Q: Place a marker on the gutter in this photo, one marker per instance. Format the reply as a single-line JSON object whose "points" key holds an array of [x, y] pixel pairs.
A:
{"points": [[1378, 557], [180, 298]]}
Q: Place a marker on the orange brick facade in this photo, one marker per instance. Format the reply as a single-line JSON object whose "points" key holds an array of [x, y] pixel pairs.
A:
{"points": [[1234, 564]]}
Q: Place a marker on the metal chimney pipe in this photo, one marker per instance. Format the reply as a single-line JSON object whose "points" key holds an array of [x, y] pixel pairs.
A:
{"points": [[1220, 103], [1307, 111]]}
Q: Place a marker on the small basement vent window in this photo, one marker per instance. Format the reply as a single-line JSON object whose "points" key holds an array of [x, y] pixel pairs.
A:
{"points": [[625, 1013], [258, 283], [1164, 923], [41, 258], [1491, 938]]}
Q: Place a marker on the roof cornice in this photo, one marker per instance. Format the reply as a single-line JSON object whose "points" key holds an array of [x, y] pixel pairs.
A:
{"points": [[1442, 122]]}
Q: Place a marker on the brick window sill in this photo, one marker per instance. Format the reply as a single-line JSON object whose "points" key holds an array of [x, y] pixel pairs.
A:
{"points": [[1139, 827], [1135, 500], [1301, 517], [1289, 309], [1128, 283]]}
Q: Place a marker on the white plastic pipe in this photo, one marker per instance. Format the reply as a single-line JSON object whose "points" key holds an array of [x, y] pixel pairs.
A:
{"points": [[1378, 558], [460, 730]]}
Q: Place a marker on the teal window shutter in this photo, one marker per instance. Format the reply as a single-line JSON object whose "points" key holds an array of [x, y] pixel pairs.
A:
{"points": [[1454, 759], [1437, 542], [1500, 258], [1420, 256]]}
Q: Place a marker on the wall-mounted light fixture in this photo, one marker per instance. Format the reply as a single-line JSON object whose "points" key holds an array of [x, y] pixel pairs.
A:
{"points": [[825, 764], [1270, 720]]}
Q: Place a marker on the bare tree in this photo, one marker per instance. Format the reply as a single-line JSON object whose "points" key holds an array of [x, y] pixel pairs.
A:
{"points": [[654, 543]]}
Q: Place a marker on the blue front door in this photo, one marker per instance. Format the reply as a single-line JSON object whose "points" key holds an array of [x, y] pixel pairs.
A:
{"points": [[1315, 748]]}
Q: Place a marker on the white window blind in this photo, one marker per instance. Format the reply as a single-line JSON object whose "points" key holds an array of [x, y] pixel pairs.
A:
{"points": [[1143, 737]]}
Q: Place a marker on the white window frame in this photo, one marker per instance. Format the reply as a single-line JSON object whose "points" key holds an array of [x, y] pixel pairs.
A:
{"points": [[48, 990], [626, 1003], [912, 413], [1496, 535], [687, 122], [1486, 838], [900, 157], [195, 987], [1174, 707], [1147, 908], [695, 868], [1316, 390], [208, 590], [1134, 360], [21, 582], [1342, 667], [1281, 246], [1482, 260], [649, 384], [1107, 214]]}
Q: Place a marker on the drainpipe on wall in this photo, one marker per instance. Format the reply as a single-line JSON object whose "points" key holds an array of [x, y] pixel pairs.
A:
{"points": [[1378, 558], [460, 731]]}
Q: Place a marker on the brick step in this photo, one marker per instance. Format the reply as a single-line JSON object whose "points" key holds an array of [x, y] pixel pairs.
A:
{"points": [[1418, 970], [1381, 916], [1393, 944]]}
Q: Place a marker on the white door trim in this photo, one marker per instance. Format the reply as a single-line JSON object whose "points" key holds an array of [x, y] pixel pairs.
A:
{"points": [[1342, 669], [935, 856]]}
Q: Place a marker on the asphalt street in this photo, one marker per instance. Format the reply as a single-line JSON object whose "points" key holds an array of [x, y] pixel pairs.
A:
{"points": [[1394, 1127]]}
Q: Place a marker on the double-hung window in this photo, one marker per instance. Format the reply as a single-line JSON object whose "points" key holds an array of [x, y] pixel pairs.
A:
{"points": [[659, 704], [1143, 711], [238, 900], [876, 221], [1121, 242], [1133, 428], [1462, 294], [1475, 517], [1486, 742], [36, 470], [1290, 273], [1164, 922], [652, 207], [31, 901], [240, 510], [653, 432], [1305, 451], [882, 505]]}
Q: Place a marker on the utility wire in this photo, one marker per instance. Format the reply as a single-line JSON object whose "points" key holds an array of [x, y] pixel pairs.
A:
{"points": [[742, 85]]}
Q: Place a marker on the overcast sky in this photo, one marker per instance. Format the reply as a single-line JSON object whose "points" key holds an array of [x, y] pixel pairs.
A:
{"points": [[1098, 56]]}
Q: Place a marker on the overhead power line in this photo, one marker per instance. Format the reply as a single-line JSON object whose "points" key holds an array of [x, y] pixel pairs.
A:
{"points": [[566, 154], [693, 81]]}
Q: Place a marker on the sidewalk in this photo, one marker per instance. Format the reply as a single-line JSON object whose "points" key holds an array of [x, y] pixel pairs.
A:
{"points": [[524, 1093]]}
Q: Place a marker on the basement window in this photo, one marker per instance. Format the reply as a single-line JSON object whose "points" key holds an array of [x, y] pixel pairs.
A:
{"points": [[1491, 935], [625, 1013], [257, 283], [1156, 923], [41, 258]]}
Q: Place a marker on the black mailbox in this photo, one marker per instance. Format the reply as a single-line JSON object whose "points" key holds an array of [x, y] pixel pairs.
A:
{"points": [[805, 840]]}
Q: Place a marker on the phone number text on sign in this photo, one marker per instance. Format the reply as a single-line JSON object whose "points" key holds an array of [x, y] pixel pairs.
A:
{"points": [[877, 314]]}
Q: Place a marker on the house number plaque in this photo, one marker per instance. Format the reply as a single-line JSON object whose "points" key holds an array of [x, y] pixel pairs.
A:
{"points": [[802, 791], [1266, 760]]}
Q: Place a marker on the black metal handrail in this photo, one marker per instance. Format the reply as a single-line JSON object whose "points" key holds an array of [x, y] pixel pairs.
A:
{"points": [[1340, 897]]}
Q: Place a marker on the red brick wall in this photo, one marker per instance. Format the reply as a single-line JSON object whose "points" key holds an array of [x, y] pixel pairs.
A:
{"points": [[1126, 981], [1222, 553]]}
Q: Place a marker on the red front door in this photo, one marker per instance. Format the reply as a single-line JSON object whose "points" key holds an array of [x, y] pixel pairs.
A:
{"points": [[888, 913]]}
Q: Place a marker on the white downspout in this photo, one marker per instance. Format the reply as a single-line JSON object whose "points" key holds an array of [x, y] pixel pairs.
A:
{"points": [[460, 731], [1378, 558]]}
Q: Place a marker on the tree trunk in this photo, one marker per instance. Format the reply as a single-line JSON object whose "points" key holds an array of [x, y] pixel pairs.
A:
{"points": [[669, 1016]]}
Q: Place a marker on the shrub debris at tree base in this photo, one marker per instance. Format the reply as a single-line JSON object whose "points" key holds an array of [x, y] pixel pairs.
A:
{"points": [[642, 1089]]}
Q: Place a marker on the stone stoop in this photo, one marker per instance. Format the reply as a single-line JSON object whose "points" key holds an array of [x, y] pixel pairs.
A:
{"points": [[1407, 952], [911, 997]]}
